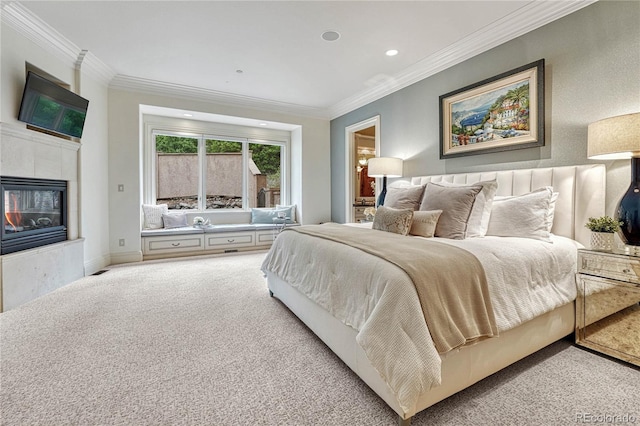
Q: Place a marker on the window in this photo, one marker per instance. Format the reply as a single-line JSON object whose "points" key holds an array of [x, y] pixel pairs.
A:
{"points": [[203, 172]]}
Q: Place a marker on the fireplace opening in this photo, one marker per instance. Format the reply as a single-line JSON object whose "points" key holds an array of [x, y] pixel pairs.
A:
{"points": [[34, 213]]}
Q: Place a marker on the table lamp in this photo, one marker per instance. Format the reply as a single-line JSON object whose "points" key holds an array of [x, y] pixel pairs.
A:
{"points": [[384, 167], [618, 138]]}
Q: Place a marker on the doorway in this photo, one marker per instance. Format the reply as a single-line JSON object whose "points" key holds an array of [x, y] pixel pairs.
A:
{"points": [[362, 141]]}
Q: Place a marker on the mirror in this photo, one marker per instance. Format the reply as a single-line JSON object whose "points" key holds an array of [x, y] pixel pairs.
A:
{"points": [[365, 148]]}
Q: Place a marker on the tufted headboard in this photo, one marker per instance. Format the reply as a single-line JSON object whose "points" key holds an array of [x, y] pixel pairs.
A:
{"points": [[581, 192]]}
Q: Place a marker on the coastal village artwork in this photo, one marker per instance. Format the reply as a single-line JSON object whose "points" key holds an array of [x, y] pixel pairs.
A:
{"points": [[498, 114], [502, 113]]}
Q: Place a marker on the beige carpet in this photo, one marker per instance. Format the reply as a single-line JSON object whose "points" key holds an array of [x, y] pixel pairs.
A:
{"points": [[199, 342]]}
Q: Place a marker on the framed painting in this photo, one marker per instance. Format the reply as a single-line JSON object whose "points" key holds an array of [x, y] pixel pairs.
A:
{"points": [[500, 113]]}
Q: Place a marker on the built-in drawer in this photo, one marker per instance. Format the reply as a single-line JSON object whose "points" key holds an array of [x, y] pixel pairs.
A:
{"points": [[230, 240], [265, 238], [623, 268], [173, 244]]}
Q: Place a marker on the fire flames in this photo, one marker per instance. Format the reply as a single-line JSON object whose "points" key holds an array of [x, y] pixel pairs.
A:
{"points": [[12, 215]]}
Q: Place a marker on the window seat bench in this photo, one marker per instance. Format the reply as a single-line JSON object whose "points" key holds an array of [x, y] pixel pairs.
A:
{"points": [[209, 239]]}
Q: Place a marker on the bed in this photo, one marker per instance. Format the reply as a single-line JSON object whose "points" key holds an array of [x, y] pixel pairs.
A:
{"points": [[377, 326]]}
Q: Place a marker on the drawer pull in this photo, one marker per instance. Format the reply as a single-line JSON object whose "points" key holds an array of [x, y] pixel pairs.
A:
{"points": [[175, 244], [230, 240]]}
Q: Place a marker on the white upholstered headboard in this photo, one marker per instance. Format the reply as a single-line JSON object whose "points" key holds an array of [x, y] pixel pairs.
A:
{"points": [[581, 192]]}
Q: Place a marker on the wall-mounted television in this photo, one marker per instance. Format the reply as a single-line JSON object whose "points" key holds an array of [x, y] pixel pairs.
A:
{"points": [[48, 106]]}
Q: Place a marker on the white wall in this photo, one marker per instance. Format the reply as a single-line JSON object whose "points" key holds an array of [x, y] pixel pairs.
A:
{"points": [[94, 172], [92, 156], [310, 184]]}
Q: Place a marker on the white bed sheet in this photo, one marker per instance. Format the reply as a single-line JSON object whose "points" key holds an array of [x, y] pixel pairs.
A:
{"points": [[526, 278]]}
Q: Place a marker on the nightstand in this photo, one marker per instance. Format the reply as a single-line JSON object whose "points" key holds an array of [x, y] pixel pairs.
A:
{"points": [[607, 306]]}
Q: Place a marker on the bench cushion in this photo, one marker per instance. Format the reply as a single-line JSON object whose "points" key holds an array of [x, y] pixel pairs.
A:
{"points": [[234, 227]]}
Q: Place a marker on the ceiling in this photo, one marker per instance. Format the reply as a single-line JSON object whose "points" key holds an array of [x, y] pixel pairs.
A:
{"points": [[271, 53]]}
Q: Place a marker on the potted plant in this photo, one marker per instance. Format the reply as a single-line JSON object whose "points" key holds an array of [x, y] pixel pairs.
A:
{"points": [[602, 230]]}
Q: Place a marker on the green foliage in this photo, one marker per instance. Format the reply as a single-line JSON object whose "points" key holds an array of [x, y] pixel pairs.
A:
{"points": [[176, 145], [217, 146], [603, 224], [266, 157]]}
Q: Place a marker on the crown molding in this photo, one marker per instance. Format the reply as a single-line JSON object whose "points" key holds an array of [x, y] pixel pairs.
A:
{"points": [[160, 88], [529, 18], [35, 29], [93, 66], [42, 34]]}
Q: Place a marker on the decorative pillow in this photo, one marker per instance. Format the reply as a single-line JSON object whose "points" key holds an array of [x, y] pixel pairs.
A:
{"points": [[153, 215], [552, 210], [260, 215], [455, 202], [527, 216], [291, 208], [481, 210], [404, 197], [424, 223], [393, 220], [174, 220]]}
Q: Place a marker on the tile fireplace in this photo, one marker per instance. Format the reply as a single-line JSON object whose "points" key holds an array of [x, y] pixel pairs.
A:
{"points": [[34, 213]]}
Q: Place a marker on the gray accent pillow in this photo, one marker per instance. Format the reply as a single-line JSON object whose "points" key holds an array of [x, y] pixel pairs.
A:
{"points": [[481, 211], [424, 223], [456, 204], [408, 197], [393, 220], [175, 220]]}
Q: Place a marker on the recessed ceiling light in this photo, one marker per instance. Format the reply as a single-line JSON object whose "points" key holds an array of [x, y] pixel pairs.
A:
{"points": [[187, 115], [330, 35], [391, 52], [263, 124]]}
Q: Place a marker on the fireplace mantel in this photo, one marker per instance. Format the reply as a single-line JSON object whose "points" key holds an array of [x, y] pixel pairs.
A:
{"points": [[29, 274]]}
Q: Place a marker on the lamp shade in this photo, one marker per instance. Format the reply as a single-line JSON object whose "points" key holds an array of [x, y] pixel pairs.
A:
{"points": [[385, 166], [614, 138]]}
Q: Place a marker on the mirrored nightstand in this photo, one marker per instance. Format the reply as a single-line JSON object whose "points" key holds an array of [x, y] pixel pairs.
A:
{"points": [[607, 306]]}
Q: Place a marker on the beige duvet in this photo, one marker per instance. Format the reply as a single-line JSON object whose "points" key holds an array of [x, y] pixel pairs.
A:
{"points": [[380, 301]]}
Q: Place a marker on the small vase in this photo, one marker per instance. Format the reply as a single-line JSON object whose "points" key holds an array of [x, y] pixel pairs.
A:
{"points": [[602, 241]]}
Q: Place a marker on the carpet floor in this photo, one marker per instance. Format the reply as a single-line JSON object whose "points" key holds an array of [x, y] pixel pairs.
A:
{"points": [[198, 341]]}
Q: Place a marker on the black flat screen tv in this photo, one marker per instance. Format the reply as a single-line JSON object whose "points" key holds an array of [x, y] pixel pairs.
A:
{"points": [[48, 106]]}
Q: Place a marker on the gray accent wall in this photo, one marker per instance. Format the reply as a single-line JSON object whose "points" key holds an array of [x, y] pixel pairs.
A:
{"points": [[592, 71]]}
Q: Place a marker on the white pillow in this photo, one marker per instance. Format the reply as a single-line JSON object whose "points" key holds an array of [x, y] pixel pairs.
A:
{"points": [[481, 210], [292, 210], [527, 216], [153, 215], [174, 220], [550, 212]]}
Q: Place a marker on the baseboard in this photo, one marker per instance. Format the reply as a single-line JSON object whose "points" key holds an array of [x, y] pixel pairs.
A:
{"points": [[126, 257], [96, 264]]}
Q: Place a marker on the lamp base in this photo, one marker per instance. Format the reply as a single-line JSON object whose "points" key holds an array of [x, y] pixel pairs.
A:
{"points": [[383, 193], [628, 209]]}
